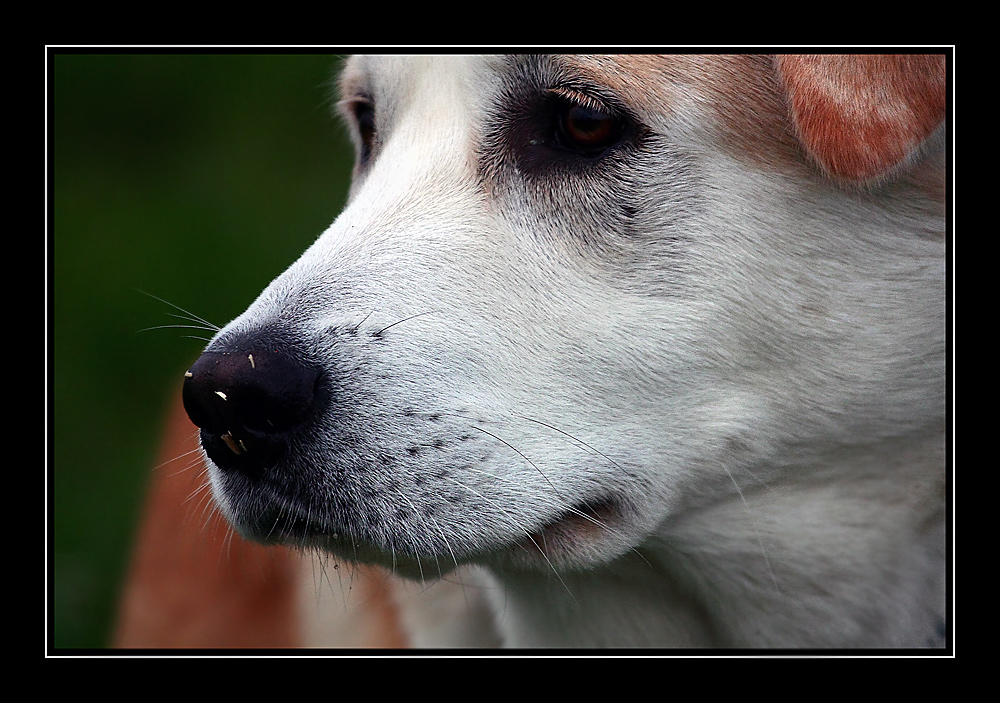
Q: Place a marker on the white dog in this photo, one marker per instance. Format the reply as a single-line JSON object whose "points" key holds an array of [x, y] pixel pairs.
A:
{"points": [[655, 345]]}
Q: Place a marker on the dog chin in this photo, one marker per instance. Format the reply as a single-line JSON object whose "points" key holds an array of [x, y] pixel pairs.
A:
{"points": [[581, 537]]}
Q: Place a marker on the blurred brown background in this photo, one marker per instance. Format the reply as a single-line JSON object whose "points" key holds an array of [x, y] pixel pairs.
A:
{"points": [[193, 178]]}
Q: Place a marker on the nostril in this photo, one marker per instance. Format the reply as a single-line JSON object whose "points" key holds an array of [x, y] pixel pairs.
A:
{"points": [[247, 400]]}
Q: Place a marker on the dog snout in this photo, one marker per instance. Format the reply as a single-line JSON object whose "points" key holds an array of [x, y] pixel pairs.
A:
{"points": [[248, 400]]}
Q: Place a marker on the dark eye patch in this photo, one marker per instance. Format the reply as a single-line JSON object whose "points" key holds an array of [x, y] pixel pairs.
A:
{"points": [[548, 118], [359, 112], [364, 119], [581, 124]]}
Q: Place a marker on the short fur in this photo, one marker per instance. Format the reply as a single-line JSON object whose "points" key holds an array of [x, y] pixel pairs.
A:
{"points": [[682, 385]]}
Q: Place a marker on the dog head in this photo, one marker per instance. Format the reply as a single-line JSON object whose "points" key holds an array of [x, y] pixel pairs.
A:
{"points": [[569, 297]]}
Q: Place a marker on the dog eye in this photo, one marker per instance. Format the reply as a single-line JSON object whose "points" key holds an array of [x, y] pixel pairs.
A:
{"points": [[587, 128], [364, 120]]}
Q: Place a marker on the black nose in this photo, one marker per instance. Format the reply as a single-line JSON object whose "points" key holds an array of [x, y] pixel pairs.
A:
{"points": [[248, 400]]}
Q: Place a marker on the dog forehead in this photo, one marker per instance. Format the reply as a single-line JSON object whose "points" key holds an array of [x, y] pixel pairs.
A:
{"points": [[738, 97], [650, 78], [399, 81], [650, 83]]}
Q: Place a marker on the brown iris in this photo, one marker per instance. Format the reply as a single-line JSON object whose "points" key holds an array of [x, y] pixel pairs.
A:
{"points": [[584, 125]]}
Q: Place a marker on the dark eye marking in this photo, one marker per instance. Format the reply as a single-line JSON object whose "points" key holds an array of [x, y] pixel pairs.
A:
{"points": [[361, 111], [567, 124], [583, 124]]}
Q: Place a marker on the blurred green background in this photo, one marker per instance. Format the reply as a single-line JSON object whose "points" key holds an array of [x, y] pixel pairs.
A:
{"points": [[194, 178]]}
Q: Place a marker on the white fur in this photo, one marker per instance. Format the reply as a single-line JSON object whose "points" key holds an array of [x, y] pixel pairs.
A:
{"points": [[755, 381]]}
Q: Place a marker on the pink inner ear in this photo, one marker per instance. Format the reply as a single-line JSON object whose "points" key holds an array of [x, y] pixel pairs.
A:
{"points": [[860, 116]]}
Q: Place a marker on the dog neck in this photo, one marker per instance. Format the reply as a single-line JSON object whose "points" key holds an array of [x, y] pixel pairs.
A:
{"points": [[749, 571], [630, 604]]}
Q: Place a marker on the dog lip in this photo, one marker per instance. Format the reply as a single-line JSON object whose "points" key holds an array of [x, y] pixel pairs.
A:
{"points": [[576, 527], [572, 536], [297, 529], [280, 522], [285, 523]]}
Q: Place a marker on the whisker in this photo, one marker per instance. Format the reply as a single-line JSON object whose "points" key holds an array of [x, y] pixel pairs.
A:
{"points": [[192, 462], [575, 511], [190, 315], [405, 319], [420, 517], [193, 456], [575, 439], [527, 533], [756, 530], [176, 327], [521, 454], [363, 319]]}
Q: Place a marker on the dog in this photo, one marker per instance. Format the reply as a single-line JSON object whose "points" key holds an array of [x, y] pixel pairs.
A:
{"points": [[631, 351]]}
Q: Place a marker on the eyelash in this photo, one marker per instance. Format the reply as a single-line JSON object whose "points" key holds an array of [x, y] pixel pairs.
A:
{"points": [[582, 124]]}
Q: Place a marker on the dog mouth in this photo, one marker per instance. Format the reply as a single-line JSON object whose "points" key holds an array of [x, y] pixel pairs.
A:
{"points": [[578, 535], [579, 531]]}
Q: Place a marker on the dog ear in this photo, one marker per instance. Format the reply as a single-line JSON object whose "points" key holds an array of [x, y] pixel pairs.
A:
{"points": [[862, 116]]}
